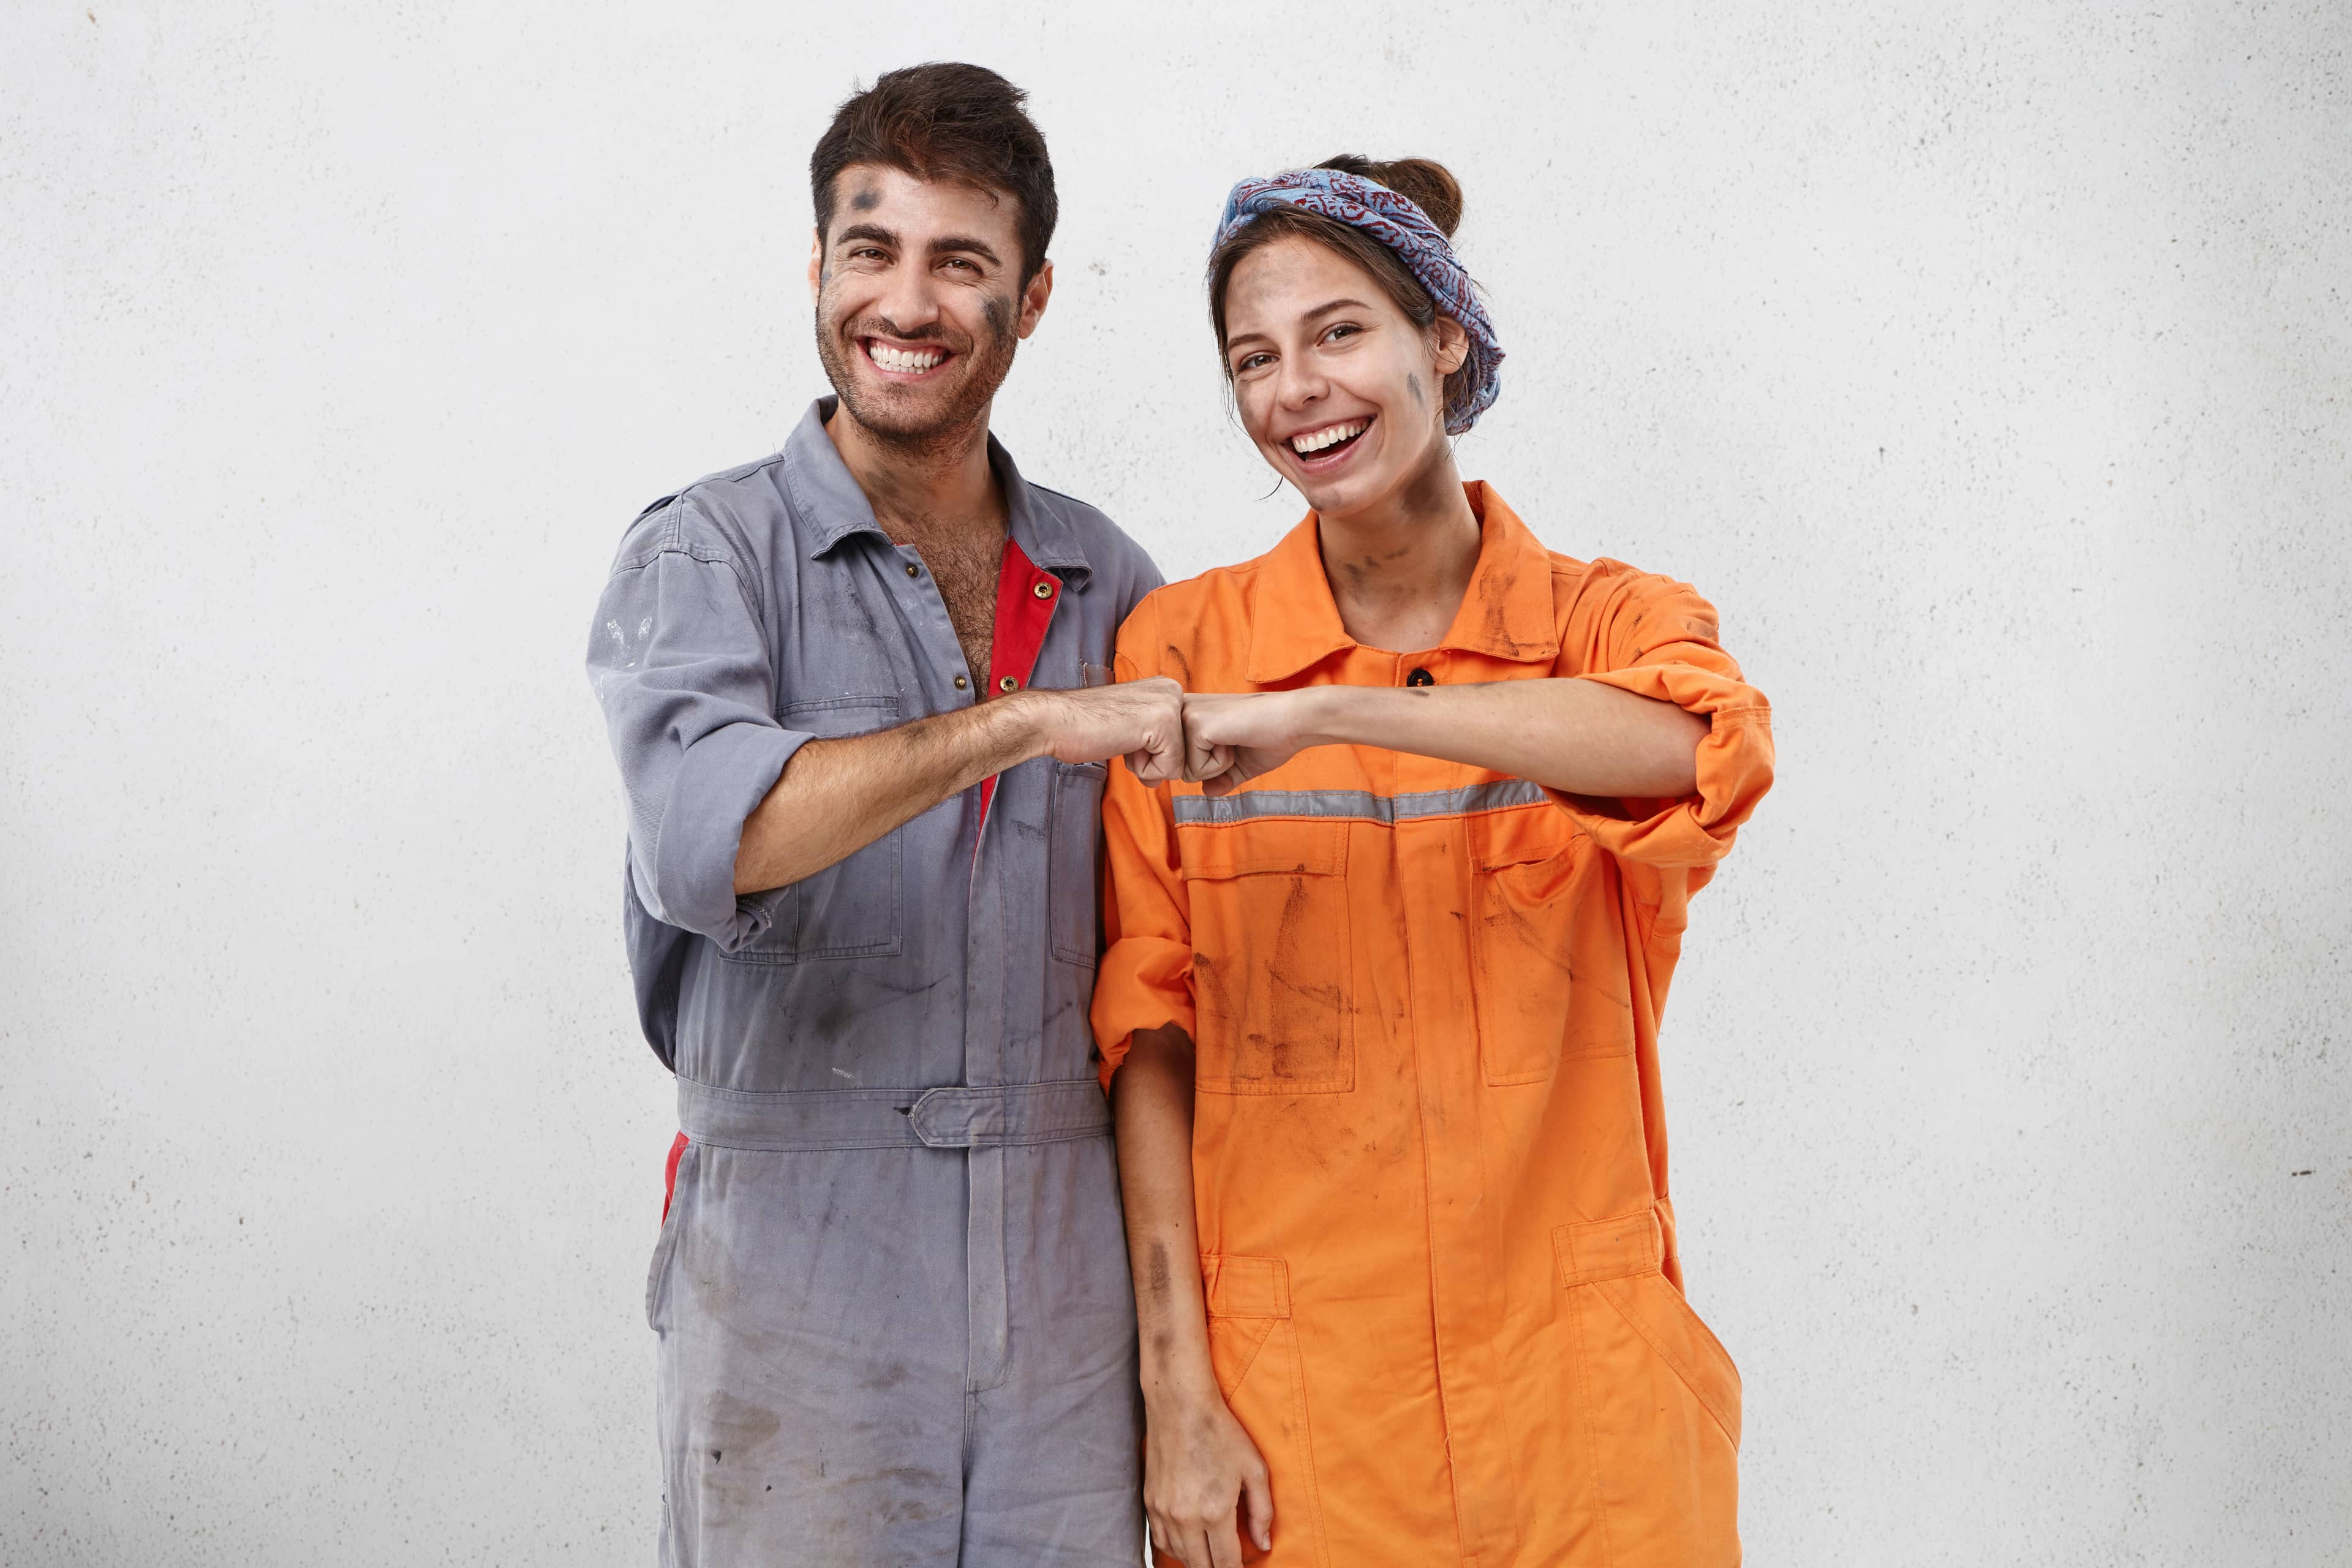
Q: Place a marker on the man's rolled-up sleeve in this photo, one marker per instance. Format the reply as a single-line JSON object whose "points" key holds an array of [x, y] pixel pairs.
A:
{"points": [[1145, 979], [1658, 639], [683, 671]]}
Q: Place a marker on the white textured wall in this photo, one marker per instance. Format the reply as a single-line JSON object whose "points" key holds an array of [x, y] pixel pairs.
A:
{"points": [[1988, 364]]}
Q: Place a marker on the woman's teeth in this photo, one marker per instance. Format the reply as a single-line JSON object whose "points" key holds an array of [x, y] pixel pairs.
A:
{"points": [[1329, 435], [889, 358]]}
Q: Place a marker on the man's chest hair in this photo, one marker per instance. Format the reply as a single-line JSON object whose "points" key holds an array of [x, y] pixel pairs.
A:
{"points": [[964, 564]]}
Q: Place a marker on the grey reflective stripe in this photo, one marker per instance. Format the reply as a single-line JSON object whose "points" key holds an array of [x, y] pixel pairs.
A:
{"points": [[1357, 805], [953, 1117], [1496, 794]]}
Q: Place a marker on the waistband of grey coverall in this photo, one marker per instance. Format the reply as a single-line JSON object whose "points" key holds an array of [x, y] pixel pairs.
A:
{"points": [[948, 1118]]}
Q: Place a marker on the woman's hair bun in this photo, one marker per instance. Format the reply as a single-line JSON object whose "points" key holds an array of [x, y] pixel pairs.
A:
{"points": [[1427, 183]]}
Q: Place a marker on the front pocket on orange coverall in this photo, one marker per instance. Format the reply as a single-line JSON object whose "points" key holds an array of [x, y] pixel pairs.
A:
{"points": [[1272, 980], [1253, 1351], [1528, 961]]}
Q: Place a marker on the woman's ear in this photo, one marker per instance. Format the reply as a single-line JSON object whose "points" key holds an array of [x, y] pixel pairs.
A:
{"points": [[1453, 345]]}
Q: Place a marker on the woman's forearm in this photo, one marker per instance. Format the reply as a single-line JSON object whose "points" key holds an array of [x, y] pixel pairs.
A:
{"points": [[1151, 1108], [1573, 735]]}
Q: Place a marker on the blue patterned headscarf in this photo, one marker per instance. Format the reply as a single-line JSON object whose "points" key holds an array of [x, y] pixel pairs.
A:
{"points": [[1398, 223]]}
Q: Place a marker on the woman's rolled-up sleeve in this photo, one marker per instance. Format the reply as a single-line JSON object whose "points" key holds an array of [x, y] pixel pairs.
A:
{"points": [[681, 667], [1658, 639], [1145, 979]]}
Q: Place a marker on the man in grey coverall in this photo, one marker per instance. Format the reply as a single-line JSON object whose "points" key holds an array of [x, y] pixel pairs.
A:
{"points": [[845, 685]]}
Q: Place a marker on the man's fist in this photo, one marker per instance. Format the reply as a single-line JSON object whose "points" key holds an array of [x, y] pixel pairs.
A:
{"points": [[1142, 720]]}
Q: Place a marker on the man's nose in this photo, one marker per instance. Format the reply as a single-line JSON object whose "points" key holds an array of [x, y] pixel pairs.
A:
{"points": [[909, 302]]}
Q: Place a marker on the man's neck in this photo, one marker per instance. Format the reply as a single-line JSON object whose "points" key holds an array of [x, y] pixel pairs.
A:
{"points": [[917, 487]]}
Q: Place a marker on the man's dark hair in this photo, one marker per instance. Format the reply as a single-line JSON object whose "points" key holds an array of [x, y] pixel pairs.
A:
{"points": [[946, 121]]}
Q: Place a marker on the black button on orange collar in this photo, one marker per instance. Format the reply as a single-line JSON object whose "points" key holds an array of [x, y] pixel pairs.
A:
{"points": [[1421, 677]]}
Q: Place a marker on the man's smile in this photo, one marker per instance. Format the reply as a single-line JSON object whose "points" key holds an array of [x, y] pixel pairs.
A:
{"points": [[908, 361]]}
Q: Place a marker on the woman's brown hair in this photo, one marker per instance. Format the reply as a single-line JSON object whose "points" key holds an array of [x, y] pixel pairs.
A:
{"points": [[1424, 181]]}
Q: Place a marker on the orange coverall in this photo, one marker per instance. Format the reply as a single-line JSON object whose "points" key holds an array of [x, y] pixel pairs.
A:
{"points": [[1429, 1157]]}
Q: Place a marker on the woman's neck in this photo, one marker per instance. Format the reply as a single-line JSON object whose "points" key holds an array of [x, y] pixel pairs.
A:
{"points": [[1399, 569]]}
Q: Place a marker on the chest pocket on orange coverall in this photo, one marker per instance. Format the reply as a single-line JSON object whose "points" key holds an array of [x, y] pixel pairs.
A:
{"points": [[1529, 959], [1269, 899]]}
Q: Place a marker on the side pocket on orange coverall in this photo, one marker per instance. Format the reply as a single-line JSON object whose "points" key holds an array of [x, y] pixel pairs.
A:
{"points": [[1254, 1350], [1655, 1396]]}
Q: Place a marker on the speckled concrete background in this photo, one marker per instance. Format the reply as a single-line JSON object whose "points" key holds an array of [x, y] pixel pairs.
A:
{"points": [[1986, 364]]}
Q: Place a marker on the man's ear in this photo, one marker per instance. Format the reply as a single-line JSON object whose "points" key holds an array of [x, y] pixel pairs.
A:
{"points": [[1033, 298], [1453, 345], [816, 264]]}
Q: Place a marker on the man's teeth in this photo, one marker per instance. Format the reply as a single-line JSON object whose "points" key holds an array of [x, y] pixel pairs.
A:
{"points": [[889, 358], [1331, 435]]}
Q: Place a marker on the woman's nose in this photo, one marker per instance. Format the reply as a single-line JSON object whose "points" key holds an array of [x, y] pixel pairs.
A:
{"points": [[1296, 384]]}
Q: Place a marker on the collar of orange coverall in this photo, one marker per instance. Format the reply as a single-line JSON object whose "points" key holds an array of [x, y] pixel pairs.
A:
{"points": [[1507, 614]]}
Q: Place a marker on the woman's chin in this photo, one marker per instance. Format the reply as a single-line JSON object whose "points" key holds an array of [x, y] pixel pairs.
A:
{"points": [[1365, 478], [1338, 495]]}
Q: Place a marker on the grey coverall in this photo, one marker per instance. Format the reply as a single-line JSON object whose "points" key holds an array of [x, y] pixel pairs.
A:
{"points": [[891, 1293]]}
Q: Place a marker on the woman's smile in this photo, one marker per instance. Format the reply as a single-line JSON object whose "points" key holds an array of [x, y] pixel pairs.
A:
{"points": [[1326, 447]]}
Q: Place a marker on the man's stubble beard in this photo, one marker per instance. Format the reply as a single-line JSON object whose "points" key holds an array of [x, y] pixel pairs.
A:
{"points": [[964, 413]]}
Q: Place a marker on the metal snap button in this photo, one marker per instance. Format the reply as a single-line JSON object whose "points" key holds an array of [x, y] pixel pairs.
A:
{"points": [[1043, 590], [1421, 677], [1009, 683], [962, 683], [913, 570]]}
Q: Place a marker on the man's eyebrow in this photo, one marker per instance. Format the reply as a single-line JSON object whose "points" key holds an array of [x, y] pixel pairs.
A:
{"points": [[953, 244], [874, 233]]}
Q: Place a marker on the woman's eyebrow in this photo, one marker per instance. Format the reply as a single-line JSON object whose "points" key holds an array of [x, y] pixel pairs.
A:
{"points": [[1316, 314]]}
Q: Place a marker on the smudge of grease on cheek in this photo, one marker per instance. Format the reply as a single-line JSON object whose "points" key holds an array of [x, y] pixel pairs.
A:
{"points": [[999, 311], [1412, 385]]}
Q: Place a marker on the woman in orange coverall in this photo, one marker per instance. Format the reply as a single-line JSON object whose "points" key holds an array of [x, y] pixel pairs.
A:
{"points": [[1380, 1002]]}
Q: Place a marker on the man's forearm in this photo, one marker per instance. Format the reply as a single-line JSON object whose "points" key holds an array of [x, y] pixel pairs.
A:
{"points": [[1574, 735], [837, 796]]}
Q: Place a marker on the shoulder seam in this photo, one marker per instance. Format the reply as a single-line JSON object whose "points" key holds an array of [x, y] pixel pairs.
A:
{"points": [[673, 541], [1064, 495]]}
